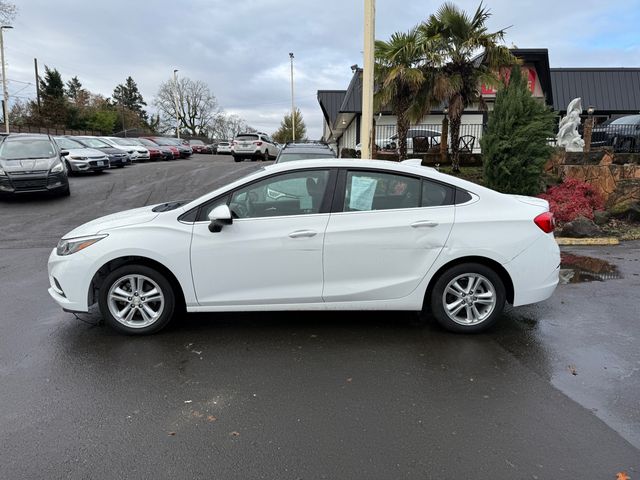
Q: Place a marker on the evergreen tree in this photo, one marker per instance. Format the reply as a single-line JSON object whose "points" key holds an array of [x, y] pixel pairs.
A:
{"points": [[127, 94], [515, 145], [52, 94], [285, 133]]}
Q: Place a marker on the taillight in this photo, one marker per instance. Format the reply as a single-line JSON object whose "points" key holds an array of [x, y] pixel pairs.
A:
{"points": [[545, 222], [257, 143]]}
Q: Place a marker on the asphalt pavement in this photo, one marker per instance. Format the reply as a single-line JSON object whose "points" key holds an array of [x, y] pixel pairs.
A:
{"points": [[552, 392]]}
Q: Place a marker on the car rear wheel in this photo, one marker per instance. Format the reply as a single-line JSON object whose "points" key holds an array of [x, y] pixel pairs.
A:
{"points": [[136, 300], [266, 156], [468, 298]]}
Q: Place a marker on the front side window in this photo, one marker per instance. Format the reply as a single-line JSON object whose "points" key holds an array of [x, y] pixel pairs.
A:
{"points": [[298, 193], [366, 191]]}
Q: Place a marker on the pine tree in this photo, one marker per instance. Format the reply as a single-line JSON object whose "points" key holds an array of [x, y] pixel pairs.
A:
{"points": [[127, 94], [285, 133], [52, 94], [515, 145]]}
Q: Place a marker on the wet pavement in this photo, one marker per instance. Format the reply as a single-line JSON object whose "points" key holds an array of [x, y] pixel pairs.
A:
{"points": [[551, 392]]}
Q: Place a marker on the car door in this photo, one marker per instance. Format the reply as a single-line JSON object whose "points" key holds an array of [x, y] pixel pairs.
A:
{"points": [[272, 252], [387, 232]]}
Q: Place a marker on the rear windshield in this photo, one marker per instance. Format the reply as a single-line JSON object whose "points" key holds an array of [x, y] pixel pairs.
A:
{"points": [[291, 157], [247, 137], [223, 144], [196, 142], [27, 148]]}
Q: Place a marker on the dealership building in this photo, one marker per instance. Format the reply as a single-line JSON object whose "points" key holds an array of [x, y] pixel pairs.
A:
{"points": [[612, 92]]}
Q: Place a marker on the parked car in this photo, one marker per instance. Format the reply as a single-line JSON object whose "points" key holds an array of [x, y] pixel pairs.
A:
{"points": [[166, 153], [117, 158], [304, 151], [315, 235], [165, 142], [198, 146], [137, 152], [223, 148], [622, 133], [154, 152], [81, 158], [31, 163], [184, 149], [256, 146]]}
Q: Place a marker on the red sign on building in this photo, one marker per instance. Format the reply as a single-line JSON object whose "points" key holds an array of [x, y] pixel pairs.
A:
{"points": [[528, 72]]}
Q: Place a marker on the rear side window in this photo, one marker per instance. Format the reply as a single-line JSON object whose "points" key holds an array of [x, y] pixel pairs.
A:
{"points": [[366, 191], [436, 194]]}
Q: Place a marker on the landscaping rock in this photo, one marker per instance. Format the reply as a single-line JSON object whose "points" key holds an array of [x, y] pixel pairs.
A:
{"points": [[580, 228], [629, 211], [601, 217]]}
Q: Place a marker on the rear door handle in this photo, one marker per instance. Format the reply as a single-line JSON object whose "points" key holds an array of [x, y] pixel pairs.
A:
{"points": [[424, 223], [303, 233]]}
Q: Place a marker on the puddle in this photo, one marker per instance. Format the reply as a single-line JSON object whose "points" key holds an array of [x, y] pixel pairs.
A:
{"points": [[579, 269]]}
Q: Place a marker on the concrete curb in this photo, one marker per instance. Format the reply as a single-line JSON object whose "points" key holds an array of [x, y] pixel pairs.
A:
{"points": [[587, 241]]}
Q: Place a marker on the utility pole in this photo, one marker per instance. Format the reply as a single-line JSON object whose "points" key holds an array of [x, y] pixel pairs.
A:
{"points": [[175, 99], [293, 106], [366, 126], [35, 64], [4, 80]]}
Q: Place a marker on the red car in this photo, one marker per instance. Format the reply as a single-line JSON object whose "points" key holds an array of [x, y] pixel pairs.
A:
{"points": [[165, 143], [198, 146]]}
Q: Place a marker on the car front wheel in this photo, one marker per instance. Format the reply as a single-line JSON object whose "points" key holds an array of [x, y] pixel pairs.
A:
{"points": [[468, 298], [136, 300]]}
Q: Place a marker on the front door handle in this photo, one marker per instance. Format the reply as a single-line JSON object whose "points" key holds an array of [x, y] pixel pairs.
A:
{"points": [[424, 223], [303, 233]]}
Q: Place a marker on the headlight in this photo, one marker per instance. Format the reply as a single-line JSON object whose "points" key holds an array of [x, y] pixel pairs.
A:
{"points": [[73, 245], [57, 168], [78, 158], [2, 174]]}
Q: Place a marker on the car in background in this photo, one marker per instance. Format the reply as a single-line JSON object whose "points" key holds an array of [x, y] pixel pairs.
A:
{"points": [[165, 142], [32, 163], [137, 152], [305, 151], [223, 148], [326, 235], [198, 146], [154, 152], [256, 146], [184, 149], [81, 158], [166, 153], [623, 134], [117, 158]]}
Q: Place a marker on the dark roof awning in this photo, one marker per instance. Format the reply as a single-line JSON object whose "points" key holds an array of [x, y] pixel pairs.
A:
{"points": [[330, 102]]}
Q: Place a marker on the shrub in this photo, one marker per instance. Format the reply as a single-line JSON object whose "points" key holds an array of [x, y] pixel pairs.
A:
{"points": [[515, 145], [572, 199]]}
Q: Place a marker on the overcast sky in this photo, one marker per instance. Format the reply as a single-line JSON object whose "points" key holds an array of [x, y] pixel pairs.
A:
{"points": [[240, 47]]}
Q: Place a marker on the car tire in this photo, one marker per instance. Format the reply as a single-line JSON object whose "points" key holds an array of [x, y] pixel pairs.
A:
{"points": [[266, 157], [113, 305], [69, 171], [237, 159], [65, 192], [481, 295]]}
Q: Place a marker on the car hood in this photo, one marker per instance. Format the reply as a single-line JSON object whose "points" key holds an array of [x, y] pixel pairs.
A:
{"points": [[27, 165], [115, 220], [85, 152]]}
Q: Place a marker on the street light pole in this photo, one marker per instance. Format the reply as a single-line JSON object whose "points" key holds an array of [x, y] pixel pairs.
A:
{"points": [[293, 107], [366, 127], [175, 99], [4, 80]]}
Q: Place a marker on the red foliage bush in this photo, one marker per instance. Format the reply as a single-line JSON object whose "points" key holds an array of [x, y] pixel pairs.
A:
{"points": [[572, 199]]}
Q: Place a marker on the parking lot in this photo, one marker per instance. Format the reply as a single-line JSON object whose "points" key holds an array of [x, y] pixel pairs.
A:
{"points": [[551, 392]]}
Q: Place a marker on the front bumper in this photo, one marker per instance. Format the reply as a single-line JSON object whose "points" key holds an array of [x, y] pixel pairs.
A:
{"points": [[68, 282], [33, 183], [89, 165]]}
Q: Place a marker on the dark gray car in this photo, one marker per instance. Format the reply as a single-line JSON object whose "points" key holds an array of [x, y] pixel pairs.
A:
{"points": [[32, 163]]}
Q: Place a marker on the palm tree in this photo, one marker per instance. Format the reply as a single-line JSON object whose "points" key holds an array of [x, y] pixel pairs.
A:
{"points": [[402, 81], [466, 56]]}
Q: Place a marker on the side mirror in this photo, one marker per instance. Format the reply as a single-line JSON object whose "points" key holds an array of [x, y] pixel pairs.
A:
{"points": [[219, 216], [64, 153]]}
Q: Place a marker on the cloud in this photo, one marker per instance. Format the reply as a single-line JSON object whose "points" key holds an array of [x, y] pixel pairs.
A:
{"points": [[240, 49]]}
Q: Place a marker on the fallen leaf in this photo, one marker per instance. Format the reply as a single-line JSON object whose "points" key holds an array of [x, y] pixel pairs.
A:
{"points": [[235, 434], [622, 476], [197, 414], [171, 434], [572, 369], [188, 401], [211, 418], [349, 380]]}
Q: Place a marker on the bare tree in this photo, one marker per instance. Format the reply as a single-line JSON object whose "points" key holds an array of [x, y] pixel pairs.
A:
{"points": [[8, 12], [225, 127], [197, 106]]}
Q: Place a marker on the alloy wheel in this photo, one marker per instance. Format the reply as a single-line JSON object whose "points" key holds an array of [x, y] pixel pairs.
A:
{"points": [[135, 301], [469, 299]]}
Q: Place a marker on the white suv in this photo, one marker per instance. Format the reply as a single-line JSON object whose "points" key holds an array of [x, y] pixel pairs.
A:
{"points": [[256, 146]]}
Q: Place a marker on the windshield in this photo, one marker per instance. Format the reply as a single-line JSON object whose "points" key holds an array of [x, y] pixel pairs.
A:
{"points": [[67, 143], [125, 142], [247, 137], [94, 142], [630, 120], [196, 142], [291, 157], [26, 149], [147, 143], [164, 141]]}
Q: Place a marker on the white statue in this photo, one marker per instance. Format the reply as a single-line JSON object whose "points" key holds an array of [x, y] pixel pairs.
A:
{"points": [[568, 136]]}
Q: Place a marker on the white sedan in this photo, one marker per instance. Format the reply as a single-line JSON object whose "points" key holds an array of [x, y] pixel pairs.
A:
{"points": [[315, 235]]}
